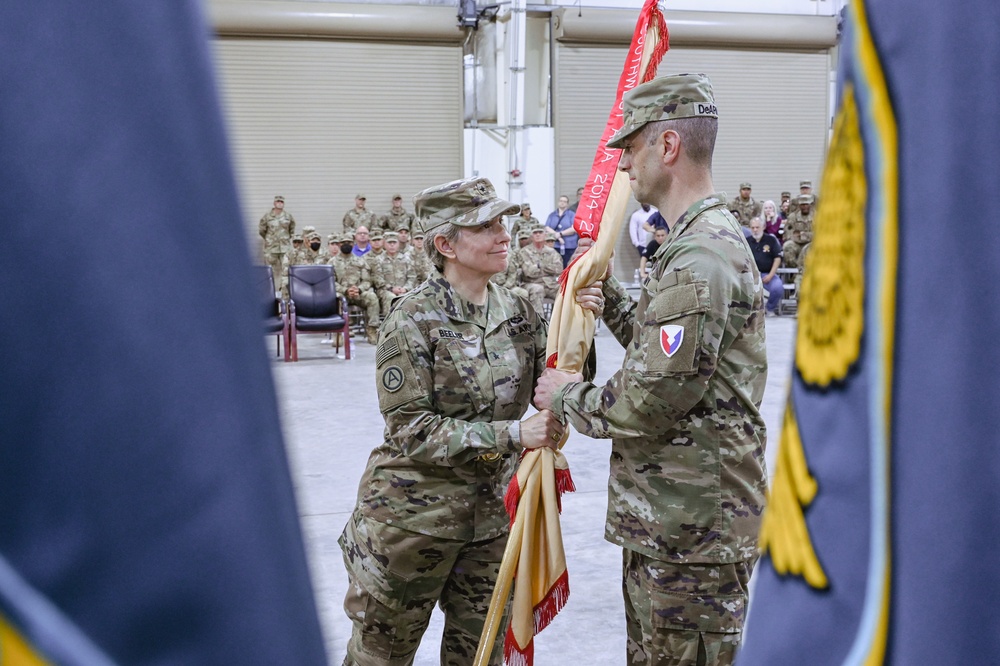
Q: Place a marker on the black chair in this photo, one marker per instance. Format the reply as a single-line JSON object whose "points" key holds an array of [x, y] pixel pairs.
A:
{"points": [[315, 307], [272, 307]]}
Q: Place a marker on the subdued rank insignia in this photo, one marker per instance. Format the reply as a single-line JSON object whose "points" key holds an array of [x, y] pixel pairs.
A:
{"points": [[671, 337], [392, 378]]}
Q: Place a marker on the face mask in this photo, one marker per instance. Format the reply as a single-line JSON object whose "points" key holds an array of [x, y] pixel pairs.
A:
{"points": [[315, 246], [346, 248]]}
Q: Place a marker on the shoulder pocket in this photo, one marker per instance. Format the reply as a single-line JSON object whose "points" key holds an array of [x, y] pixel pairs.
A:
{"points": [[395, 379], [671, 335]]}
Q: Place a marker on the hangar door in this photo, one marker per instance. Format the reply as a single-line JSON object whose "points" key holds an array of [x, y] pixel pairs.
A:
{"points": [[320, 121]]}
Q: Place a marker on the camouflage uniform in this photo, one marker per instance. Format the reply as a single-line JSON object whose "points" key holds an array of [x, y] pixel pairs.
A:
{"points": [[355, 218], [395, 220], [520, 223], [307, 255], [352, 271], [747, 210], [453, 381], [539, 270], [800, 228], [277, 231], [392, 272], [687, 482], [509, 278], [422, 265]]}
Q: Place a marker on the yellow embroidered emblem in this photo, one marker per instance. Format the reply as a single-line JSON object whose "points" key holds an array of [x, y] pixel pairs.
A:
{"points": [[831, 307], [783, 528]]}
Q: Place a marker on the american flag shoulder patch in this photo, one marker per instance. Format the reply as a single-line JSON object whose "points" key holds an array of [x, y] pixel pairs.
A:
{"points": [[386, 350]]}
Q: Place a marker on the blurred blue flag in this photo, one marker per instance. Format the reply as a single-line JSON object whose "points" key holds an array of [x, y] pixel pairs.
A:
{"points": [[881, 528], [146, 509]]}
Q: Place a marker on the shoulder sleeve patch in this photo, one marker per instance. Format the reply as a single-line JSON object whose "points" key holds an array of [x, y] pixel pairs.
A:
{"points": [[396, 380]]}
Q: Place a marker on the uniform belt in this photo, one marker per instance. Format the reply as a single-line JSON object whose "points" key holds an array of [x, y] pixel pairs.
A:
{"points": [[492, 456]]}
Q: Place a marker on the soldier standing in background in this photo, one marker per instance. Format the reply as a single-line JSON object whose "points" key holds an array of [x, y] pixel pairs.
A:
{"points": [[276, 229], [397, 218], [687, 486], [354, 282], [377, 252], [745, 207], [290, 258], [359, 216], [394, 275], [800, 229], [523, 220], [540, 266]]}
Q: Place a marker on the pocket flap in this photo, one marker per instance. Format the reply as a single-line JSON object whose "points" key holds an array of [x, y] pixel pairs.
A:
{"points": [[679, 300], [719, 614]]}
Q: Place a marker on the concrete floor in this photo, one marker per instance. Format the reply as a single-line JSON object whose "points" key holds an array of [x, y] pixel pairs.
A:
{"points": [[331, 421]]}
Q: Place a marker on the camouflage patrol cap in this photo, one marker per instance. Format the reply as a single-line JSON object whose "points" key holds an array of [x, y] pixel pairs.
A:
{"points": [[523, 234], [332, 238], [314, 235], [806, 198], [786, 195], [360, 196], [464, 203], [665, 98], [376, 235], [745, 186], [297, 238], [396, 197], [525, 205], [390, 236], [806, 183], [279, 198], [417, 233], [308, 230]]}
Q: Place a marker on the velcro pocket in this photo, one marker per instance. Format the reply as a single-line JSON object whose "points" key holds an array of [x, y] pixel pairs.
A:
{"points": [[672, 331]]}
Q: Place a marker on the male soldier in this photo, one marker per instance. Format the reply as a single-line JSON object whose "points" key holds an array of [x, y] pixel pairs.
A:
{"points": [[359, 216], [540, 266], [421, 262], [375, 256], [276, 229], [687, 461], [524, 220], [397, 218], [800, 224], [394, 275], [404, 242], [745, 205], [785, 196], [354, 282], [806, 187]]}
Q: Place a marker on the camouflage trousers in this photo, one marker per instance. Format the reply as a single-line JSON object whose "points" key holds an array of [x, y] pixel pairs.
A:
{"points": [[683, 614], [538, 292], [793, 254], [367, 301], [280, 275], [395, 578]]}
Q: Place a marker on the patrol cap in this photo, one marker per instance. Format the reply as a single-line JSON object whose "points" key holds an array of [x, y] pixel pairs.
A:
{"points": [[297, 238], [390, 236], [523, 234], [665, 98], [538, 227], [806, 183], [375, 235], [745, 186], [397, 197], [308, 230], [551, 235], [525, 205], [332, 238], [315, 234], [786, 195], [806, 198], [279, 198], [464, 203], [417, 233], [360, 196]]}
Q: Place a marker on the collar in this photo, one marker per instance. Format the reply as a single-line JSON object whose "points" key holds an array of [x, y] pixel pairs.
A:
{"points": [[717, 200], [489, 316]]}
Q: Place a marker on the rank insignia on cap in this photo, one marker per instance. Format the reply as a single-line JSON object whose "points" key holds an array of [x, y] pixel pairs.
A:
{"points": [[671, 337]]}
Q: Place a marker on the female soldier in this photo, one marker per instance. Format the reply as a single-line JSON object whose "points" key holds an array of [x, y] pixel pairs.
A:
{"points": [[455, 369]]}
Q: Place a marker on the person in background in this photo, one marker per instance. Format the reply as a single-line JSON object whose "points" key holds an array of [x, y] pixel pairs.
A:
{"points": [[773, 224], [659, 237], [359, 216], [636, 227], [276, 230], [561, 221], [456, 365], [362, 241], [767, 255]]}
